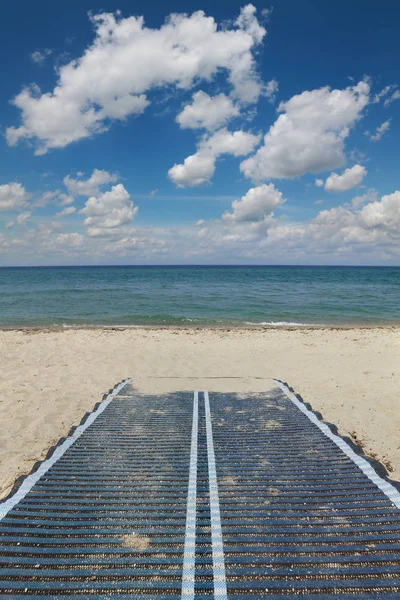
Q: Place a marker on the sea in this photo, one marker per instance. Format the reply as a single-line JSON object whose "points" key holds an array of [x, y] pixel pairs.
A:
{"points": [[131, 296]]}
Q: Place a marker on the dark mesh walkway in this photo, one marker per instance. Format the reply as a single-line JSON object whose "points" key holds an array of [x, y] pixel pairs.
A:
{"points": [[112, 518], [298, 517], [109, 516]]}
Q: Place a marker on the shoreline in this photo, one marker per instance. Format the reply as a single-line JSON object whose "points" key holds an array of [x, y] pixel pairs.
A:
{"points": [[199, 327]]}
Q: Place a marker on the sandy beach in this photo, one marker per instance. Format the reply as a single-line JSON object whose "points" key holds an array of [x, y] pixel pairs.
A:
{"points": [[49, 379]]}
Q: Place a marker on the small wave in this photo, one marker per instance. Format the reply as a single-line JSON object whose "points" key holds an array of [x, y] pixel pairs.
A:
{"points": [[182, 321], [283, 324], [97, 326], [150, 321]]}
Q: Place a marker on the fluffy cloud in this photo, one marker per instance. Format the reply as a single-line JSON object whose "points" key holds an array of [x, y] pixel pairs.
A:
{"points": [[238, 143], [247, 22], [346, 231], [319, 182], [207, 112], [309, 134], [125, 61], [195, 170], [13, 196], [256, 205], [367, 231], [348, 180], [379, 132], [383, 214], [108, 211], [90, 186], [343, 227], [199, 168]]}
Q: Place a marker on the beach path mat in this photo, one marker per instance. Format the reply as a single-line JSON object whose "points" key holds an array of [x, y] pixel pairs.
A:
{"points": [[203, 495]]}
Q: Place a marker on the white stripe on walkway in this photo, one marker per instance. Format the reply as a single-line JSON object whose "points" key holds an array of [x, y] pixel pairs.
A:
{"points": [[189, 560], [220, 592], [388, 489], [30, 481]]}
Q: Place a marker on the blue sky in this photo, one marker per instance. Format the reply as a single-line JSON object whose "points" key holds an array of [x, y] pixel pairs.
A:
{"points": [[240, 134]]}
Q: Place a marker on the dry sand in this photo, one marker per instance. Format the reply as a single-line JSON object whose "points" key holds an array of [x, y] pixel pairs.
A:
{"points": [[49, 379]]}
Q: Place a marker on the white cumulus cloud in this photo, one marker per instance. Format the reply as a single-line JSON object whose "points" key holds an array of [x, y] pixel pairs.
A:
{"points": [[309, 134], [108, 211], [377, 224], [349, 179], [195, 170], [90, 186], [207, 112], [13, 196], [257, 204], [127, 60], [383, 214], [346, 231], [199, 167]]}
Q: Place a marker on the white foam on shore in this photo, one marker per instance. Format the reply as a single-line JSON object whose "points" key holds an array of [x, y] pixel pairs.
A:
{"points": [[284, 324], [199, 323], [97, 326]]}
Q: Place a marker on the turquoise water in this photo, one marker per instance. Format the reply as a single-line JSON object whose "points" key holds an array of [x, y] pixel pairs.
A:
{"points": [[90, 296]]}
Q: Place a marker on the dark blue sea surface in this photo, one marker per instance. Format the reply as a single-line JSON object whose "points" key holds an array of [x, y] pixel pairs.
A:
{"points": [[129, 296]]}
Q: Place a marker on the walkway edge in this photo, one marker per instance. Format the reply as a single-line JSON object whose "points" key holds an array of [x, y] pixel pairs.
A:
{"points": [[362, 463], [189, 553], [220, 590], [28, 481]]}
